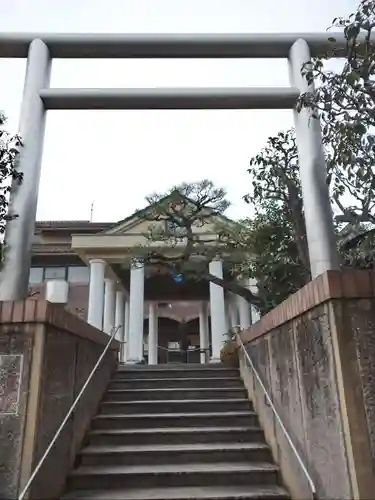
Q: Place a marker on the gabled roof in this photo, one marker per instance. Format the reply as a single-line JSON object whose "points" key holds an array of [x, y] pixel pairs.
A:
{"points": [[71, 226], [137, 216]]}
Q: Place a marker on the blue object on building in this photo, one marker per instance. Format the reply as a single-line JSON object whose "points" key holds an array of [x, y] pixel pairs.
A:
{"points": [[178, 278]]}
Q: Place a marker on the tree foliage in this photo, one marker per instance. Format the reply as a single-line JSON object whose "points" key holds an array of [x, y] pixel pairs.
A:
{"points": [[275, 178], [273, 243], [177, 240], [269, 254], [9, 149], [276, 235], [345, 103]]}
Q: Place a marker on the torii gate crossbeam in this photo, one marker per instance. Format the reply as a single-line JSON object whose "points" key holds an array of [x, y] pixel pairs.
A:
{"points": [[140, 46]]}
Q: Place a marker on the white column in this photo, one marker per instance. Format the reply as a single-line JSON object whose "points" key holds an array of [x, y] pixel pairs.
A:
{"points": [[313, 172], [96, 293], [244, 308], [253, 287], [136, 314], [153, 334], [217, 306], [19, 233], [109, 305], [233, 311], [227, 314], [203, 331], [124, 347], [120, 315]]}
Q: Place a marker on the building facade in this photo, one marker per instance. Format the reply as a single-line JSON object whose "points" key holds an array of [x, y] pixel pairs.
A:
{"points": [[108, 288]]}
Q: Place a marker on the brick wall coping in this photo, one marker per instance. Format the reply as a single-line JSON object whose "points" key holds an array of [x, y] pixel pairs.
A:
{"points": [[42, 311], [344, 284]]}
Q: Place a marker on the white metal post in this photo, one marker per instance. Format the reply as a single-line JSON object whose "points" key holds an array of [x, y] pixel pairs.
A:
{"points": [[14, 276], [313, 173]]}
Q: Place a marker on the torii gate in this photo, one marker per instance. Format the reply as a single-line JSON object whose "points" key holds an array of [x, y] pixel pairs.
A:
{"points": [[40, 49]]}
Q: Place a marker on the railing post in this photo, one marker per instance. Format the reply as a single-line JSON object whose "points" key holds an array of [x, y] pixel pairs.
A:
{"points": [[317, 207], [19, 233]]}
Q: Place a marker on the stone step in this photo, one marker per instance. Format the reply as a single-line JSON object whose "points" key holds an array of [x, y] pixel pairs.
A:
{"points": [[123, 382], [185, 406], [173, 475], [177, 435], [150, 420], [184, 493], [171, 367], [175, 454], [182, 432], [169, 394], [175, 371]]}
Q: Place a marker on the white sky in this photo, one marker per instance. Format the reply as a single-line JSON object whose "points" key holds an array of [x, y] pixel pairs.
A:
{"points": [[116, 158]]}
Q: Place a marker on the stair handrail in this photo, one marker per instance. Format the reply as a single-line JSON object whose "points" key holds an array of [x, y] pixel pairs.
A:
{"points": [[21, 496], [162, 347], [279, 420]]}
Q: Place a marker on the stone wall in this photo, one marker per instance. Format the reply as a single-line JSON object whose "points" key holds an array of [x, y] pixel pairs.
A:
{"points": [[315, 354], [46, 354]]}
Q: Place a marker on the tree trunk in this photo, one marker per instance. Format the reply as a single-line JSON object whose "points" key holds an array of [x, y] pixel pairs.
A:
{"points": [[234, 288], [298, 221]]}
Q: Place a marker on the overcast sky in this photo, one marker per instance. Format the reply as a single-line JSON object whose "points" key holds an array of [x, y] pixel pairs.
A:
{"points": [[116, 158]]}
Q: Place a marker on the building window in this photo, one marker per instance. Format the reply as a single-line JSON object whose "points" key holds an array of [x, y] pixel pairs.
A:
{"points": [[78, 274], [54, 273], [36, 275], [74, 274]]}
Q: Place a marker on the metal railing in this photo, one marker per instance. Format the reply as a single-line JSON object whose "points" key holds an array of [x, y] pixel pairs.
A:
{"points": [[71, 410], [279, 420], [177, 350], [205, 351]]}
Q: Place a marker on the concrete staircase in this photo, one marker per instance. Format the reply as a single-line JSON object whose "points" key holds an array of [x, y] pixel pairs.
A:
{"points": [[174, 432]]}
